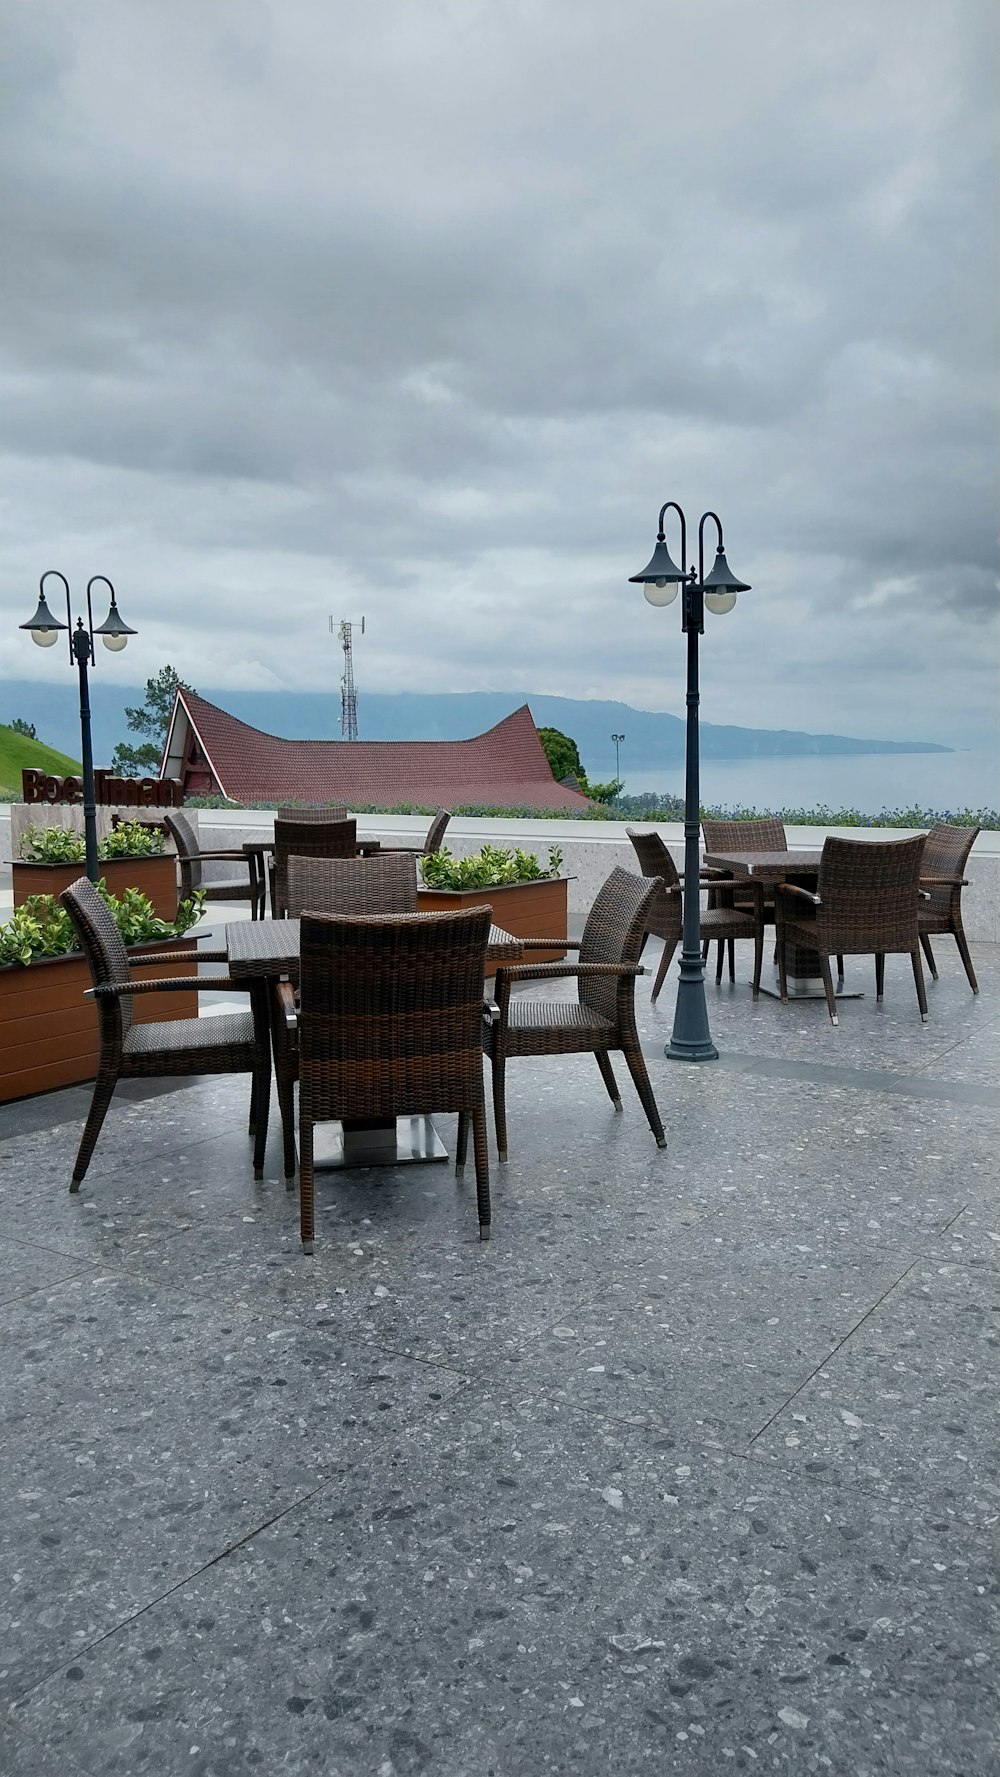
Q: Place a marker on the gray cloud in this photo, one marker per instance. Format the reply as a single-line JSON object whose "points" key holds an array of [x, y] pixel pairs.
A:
{"points": [[423, 310]]}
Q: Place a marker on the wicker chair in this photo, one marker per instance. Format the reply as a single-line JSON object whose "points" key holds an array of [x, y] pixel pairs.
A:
{"points": [[719, 922], [866, 903], [945, 856], [766, 834], [602, 1018], [391, 1024], [306, 839], [329, 885], [435, 835], [221, 1045], [191, 858]]}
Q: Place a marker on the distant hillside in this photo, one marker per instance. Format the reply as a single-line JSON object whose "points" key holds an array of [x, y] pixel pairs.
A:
{"points": [[653, 739], [19, 753]]}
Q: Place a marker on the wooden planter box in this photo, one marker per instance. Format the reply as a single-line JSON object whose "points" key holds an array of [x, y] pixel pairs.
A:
{"points": [[48, 1031], [156, 877], [525, 909]]}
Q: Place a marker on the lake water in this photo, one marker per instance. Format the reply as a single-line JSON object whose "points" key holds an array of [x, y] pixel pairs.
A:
{"points": [[867, 782]]}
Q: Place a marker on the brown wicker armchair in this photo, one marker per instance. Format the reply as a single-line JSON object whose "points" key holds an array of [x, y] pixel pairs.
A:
{"points": [[719, 922], [191, 858], [391, 1024], [765, 834], [220, 1045], [602, 1017], [329, 885], [945, 857], [306, 839], [866, 903], [432, 843]]}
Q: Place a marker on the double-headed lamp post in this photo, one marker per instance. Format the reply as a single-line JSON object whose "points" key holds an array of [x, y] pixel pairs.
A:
{"points": [[44, 629], [661, 578], [618, 738]]}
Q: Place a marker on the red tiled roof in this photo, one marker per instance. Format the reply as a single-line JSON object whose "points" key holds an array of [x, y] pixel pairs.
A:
{"points": [[505, 767]]}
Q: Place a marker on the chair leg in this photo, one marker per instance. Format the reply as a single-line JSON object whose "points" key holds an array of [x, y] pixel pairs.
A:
{"points": [[719, 959], [607, 1075], [252, 1119], [462, 1143], [637, 1068], [782, 969], [499, 1062], [732, 961], [925, 945], [307, 1178], [286, 1106], [840, 971], [831, 998], [758, 959], [706, 946], [879, 978], [103, 1090], [482, 1170], [963, 951], [918, 976], [262, 1099], [665, 961]]}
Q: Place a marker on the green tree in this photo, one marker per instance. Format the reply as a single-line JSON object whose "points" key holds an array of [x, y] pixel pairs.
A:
{"points": [[151, 718], [562, 755]]}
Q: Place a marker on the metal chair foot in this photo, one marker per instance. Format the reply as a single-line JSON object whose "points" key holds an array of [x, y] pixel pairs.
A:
{"points": [[460, 1170], [484, 1230], [834, 1019], [923, 1017], [661, 1141], [307, 1248], [290, 1182], [258, 1172], [74, 1186], [502, 1156], [617, 1103]]}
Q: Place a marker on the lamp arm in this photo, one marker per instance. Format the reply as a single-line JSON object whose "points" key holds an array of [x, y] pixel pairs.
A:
{"points": [[716, 520], [54, 574], [664, 509], [94, 578]]}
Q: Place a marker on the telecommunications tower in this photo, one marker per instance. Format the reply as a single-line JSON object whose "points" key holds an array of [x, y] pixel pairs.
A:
{"points": [[348, 694]]}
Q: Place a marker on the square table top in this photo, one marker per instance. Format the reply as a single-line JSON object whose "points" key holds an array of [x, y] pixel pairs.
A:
{"points": [[767, 866], [270, 947]]}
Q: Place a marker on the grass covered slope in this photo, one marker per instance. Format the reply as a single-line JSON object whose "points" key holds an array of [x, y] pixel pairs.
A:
{"points": [[19, 753]]}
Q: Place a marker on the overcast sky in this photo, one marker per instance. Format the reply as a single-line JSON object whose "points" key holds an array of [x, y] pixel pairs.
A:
{"points": [[420, 309]]}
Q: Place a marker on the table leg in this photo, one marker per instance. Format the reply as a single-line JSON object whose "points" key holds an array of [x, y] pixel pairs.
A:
{"points": [[262, 1094], [382, 1141]]}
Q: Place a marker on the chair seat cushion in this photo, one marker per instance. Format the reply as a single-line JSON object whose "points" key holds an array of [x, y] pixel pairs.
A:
{"points": [[728, 922], [555, 1027], [218, 1044], [227, 891]]}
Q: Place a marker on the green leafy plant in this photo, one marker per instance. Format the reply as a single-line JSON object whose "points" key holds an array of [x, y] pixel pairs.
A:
{"points": [[63, 845], [492, 867], [42, 927]]}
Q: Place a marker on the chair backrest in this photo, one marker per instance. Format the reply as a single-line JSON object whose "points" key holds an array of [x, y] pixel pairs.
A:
{"points": [[385, 883], [946, 854], [614, 933], [868, 892], [654, 856], [436, 831], [313, 816], [186, 845], [392, 1012], [107, 958], [307, 839], [767, 834]]}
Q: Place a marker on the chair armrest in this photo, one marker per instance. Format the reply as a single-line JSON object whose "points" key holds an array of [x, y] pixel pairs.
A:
{"points": [[284, 999], [792, 888], [549, 943], [491, 1012], [108, 990], [239, 855], [182, 956], [944, 882], [546, 971]]}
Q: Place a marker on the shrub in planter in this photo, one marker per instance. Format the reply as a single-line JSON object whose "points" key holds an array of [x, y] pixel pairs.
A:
{"points": [[133, 855], [48, 1030], [528, 900]]}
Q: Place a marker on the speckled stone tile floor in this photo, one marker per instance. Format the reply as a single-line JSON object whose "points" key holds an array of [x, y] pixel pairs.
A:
{"points": [[690, 1469]]}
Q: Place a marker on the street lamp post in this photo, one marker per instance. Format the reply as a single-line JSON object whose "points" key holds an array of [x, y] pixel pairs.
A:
{"points": [[618, 738], [661, 578], [44, 630]]}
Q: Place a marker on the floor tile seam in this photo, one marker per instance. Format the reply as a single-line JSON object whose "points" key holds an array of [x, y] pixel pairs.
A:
{"points": [[187, 1146], [850, 1481], [832, 1354], [28, 1738], [41, 1247], [861, 1079], [958, 1043], [40, 1288]]}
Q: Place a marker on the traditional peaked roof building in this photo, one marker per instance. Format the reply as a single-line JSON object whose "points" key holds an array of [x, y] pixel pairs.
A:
{"points": [[215, 754]]}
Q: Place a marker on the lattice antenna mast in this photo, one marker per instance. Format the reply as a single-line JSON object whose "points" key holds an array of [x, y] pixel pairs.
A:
{"points": [[348, 692]]}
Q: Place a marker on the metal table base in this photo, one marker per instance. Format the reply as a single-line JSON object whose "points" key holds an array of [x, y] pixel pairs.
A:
{"points": [[401, 1141]]}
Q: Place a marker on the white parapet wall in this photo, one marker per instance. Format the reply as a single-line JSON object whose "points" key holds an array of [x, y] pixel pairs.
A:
{"points": [[590, 849]]}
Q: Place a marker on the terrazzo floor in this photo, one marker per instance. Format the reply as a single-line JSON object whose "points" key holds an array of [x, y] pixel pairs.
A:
{"points": [[691, 1469]]}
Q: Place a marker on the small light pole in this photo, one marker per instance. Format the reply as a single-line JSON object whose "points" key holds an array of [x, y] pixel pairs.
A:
{"points": [[44, 630], [618, 738], [691, 1039]]}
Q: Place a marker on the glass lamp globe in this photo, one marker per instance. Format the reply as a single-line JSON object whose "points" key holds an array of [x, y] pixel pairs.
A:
{"points": [[115, 643], [660, 592], [720, 602], [44, 638]]}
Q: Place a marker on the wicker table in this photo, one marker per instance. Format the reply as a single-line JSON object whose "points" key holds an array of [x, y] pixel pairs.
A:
{"points": [[805, 979], [263, 951]]}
